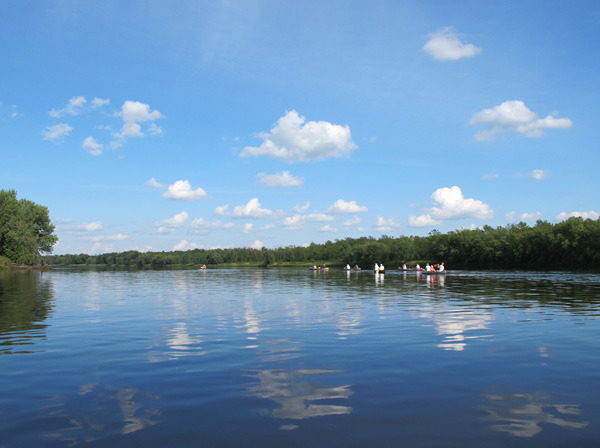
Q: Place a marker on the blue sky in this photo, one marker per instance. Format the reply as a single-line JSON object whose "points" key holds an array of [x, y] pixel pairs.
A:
{"points": [[175, 125]]}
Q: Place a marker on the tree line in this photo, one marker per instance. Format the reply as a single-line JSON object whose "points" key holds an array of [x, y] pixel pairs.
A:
{"points": [[25, 229], [567, 244]]}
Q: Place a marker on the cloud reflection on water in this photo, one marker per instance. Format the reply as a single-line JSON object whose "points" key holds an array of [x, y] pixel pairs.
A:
{"points": [[523, 415]]}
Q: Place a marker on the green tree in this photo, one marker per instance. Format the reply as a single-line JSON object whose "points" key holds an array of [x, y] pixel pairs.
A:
{"points": [[25, 229]]}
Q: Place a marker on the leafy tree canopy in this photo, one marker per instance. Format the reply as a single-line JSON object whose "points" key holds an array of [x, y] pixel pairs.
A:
{"points": [[25, 229]]}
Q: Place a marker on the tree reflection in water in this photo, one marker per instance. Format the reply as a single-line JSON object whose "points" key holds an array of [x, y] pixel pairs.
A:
{"points": [[523, 414]]}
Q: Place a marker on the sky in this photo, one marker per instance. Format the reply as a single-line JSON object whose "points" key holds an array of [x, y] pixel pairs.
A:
{"points": [[159, 126]]}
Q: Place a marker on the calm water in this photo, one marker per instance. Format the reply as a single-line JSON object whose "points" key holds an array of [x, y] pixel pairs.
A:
{"points": [[298, 358]]}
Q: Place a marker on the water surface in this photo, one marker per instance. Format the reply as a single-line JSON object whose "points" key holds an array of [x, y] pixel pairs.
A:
{"points": [[299, 358]]}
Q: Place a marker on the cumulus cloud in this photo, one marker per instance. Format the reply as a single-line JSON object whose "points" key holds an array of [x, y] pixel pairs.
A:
{"points": [[327, 228], [91, 226], [445, 45], [352, 222], [295, 140], [185, 245], [171, 224], [99, 102], [252, 209], [385, 225], [449, 203], [341, 206], [74, 107], [283, 179], [154, 183], [92, 147], [585, 215], [57, 132], [200, 225], [302, 208], [221, 210], [293, 222], [182, 191], [318, 217], [257, 245], [523, 217], [133, 113], [422, 221], [248, 227], [538, 174], [514, 116]]}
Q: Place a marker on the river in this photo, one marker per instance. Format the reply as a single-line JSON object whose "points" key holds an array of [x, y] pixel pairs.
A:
{"points": [[227, 358]]}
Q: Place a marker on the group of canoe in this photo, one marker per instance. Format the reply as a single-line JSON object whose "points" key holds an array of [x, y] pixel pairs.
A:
{"points": [[380, 269], [429, 269]]}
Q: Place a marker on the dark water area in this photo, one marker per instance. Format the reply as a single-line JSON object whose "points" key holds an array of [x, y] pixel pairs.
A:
{"points": [[220, 358]]}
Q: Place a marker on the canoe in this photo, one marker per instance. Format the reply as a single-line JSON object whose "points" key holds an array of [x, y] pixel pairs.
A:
{"points": [[433, 272]]}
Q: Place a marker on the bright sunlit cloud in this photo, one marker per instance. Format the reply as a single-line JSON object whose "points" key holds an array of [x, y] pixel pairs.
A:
{"points": [[342, 206], [445, 45], [133, 113], [386, 225], [283, 179], [252, 209], [512, 217], [171, 224], [200, 225], [449, 203], [514, 116], [182, 191], [585, 215], [295, 140]]}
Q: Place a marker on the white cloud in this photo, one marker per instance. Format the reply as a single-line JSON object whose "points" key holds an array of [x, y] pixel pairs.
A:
{"points": [[352, 222], [200, 225], [169, 225], [385, 225], [514, 116], [182, 190], [257, 245], [491, 176], [318, 217], [585, 215], [92, 147], [91, 226], [302, 208], [154, 184], [449, 203], [446, 46], [283, 179], [101, 238], [74, 107], [341, 206], [99, 102], [296, 140], [327, 228], [221, 210], [56, 132], [422, 221], [133, 113], [538, 174], [185, 245], [523, 217], [248, 227], [252, 209], [293, 222]]}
